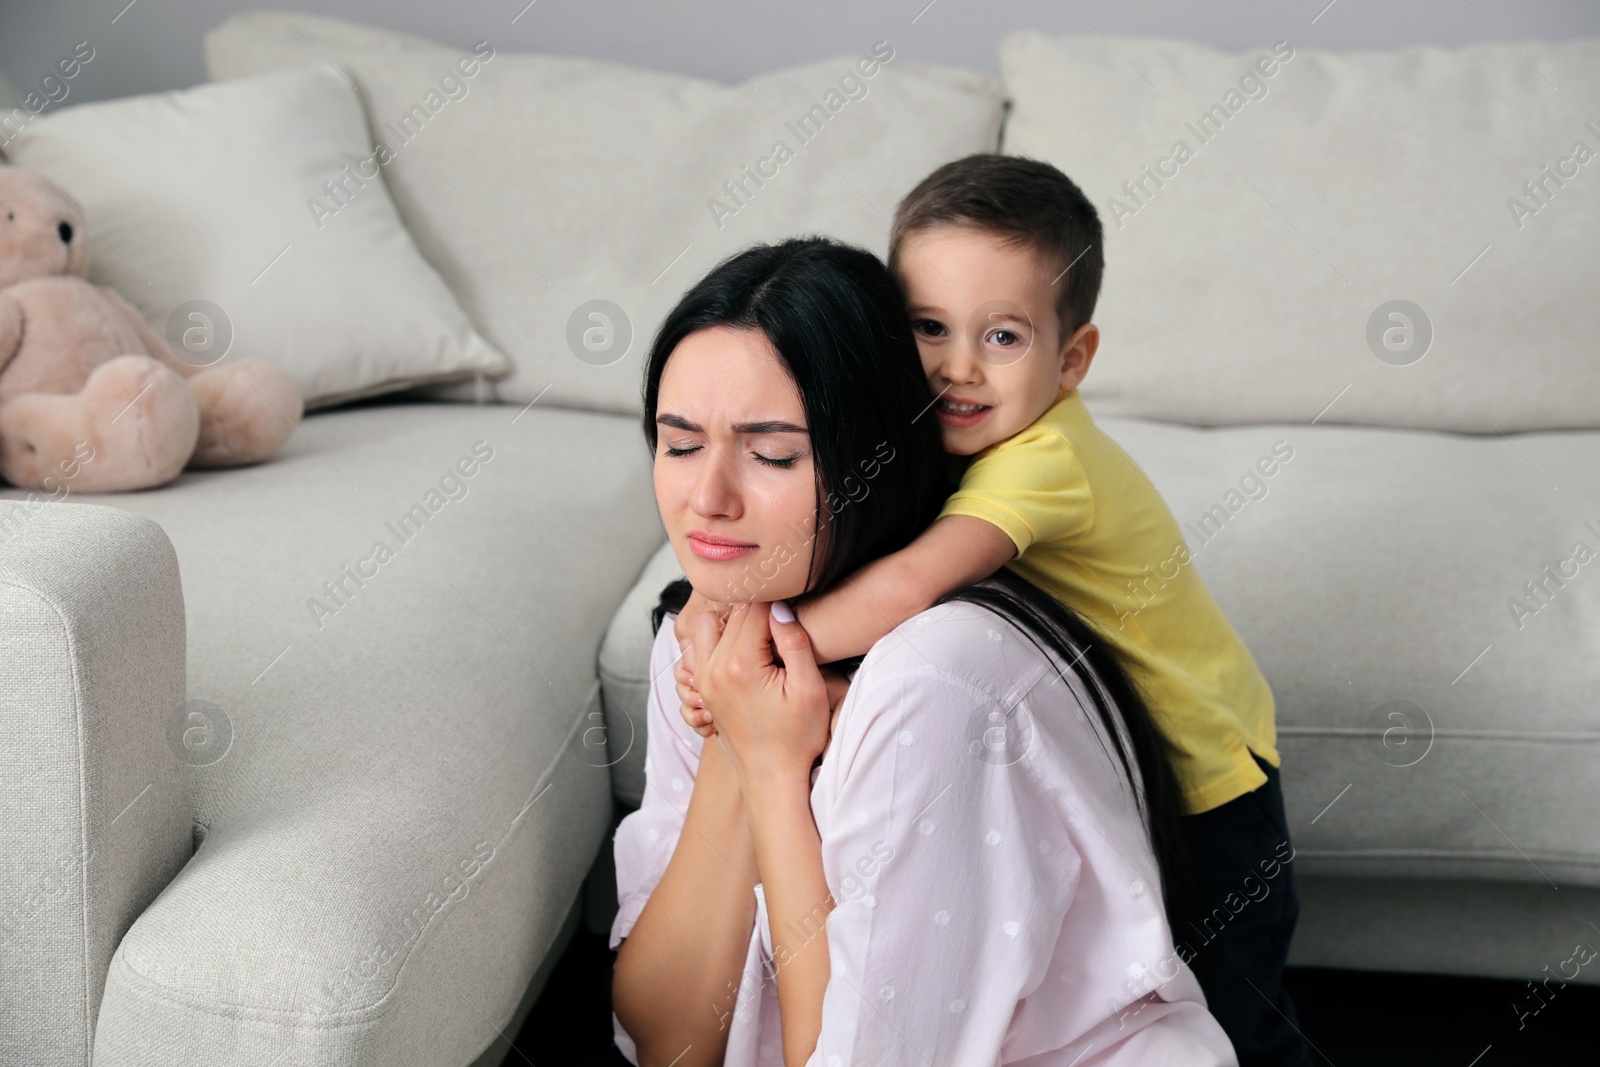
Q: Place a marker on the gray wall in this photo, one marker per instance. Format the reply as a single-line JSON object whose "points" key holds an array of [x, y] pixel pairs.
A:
{"points": [[155, 44]]}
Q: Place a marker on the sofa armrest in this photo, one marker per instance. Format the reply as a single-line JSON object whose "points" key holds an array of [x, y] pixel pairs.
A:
{"points": [[625, 675], [95, 814]]}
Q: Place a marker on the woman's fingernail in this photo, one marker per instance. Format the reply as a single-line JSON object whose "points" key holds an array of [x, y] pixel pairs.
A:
{"points": [[782, 612]]}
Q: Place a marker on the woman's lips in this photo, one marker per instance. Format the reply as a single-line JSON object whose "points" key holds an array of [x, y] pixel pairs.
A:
{"points": [[710, 546], [960, 414]]}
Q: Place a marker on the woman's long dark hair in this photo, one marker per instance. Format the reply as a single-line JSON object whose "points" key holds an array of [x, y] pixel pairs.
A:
{"points": [[838, 322]]}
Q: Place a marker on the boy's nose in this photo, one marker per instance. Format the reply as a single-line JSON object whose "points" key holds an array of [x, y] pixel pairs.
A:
{"points": [[961, 365]]}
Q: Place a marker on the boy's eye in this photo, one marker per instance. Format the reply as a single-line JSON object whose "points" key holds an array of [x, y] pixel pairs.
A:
{"points": [[1005, 338]]}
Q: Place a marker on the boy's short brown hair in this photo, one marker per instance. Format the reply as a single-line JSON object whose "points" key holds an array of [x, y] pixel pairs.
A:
{"points": [[1026, 202]]}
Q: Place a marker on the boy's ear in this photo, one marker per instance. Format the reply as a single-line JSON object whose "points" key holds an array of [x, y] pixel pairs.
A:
{"points": [[1077, 352]]}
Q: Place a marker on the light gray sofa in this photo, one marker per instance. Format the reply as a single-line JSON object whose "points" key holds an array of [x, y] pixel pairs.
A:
{"points": [[376, 829], [241, 828]]}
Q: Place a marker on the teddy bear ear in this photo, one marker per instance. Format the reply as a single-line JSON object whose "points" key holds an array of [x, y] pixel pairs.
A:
{"points": [[72, 202], [56, 191], [47, 188]]}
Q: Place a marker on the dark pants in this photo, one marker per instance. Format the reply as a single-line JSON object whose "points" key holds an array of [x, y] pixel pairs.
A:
{"points": [[1240, 939]]}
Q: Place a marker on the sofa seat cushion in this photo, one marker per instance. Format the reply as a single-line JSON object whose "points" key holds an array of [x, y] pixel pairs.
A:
{"points": [[399, 776], [1435, 717]]}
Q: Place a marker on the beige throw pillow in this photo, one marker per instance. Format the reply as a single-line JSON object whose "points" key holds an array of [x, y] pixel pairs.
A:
{"points": [[199, 206]]}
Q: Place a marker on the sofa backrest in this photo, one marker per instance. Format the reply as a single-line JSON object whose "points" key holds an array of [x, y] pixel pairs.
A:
{"points": [[1399, 238], [569, 202]]}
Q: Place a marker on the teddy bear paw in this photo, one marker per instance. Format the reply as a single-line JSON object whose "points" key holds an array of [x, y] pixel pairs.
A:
{"points": [[248, 409], [132, 426]]}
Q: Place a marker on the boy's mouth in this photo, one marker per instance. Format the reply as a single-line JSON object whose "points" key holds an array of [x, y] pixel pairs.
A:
{"points": [[961, 414]]}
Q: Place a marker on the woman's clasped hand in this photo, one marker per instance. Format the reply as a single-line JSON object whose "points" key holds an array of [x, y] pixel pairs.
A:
{"points": [[768, 699]]}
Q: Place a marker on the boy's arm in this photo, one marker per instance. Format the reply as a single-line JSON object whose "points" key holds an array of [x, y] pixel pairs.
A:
{"points": [[951, 554]]}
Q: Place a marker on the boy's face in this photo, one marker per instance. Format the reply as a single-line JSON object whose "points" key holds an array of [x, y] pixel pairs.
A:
{"points": [[984, 317]]}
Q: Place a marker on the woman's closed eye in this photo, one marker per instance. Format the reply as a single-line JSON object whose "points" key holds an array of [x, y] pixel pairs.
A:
{"points": [[781, 462]]}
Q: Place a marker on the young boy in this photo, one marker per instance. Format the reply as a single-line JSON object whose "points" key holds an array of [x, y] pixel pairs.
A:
{"points": [[1000, 259]]}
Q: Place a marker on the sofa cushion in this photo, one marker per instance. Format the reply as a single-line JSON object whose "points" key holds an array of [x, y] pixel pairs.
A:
{"points": [[202, 210], [540, 185], [1435, 717], [404, 785], [1275, 217]]}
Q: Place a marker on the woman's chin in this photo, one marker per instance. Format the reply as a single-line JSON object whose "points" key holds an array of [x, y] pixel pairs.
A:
{"points": [[726, 584], [719, 583]]}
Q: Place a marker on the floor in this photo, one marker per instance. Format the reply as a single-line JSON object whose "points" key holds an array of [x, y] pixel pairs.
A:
{"points": [[1352, 1018]]}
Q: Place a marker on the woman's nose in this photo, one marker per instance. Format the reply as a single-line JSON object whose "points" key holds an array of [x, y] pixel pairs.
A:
{"points": [[65, 230], [716, 492]]}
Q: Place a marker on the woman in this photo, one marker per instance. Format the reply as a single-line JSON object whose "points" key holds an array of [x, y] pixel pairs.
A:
{"points": [[953, 864]]}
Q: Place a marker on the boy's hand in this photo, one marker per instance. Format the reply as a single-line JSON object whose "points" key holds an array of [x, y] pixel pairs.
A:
{"points": [[691, 706], [683, 623]]}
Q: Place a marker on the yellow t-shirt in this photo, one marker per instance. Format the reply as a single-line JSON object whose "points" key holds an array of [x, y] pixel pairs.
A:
{"points": [[1093, 532]]}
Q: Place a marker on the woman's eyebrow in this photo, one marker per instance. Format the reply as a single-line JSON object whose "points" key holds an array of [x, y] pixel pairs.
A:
{"points": [[768, 426], [677, 422], [765, 426]]}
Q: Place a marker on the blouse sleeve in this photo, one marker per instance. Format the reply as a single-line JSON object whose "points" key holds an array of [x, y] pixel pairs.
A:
{"points": [[645, 838], [954, 875]]}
